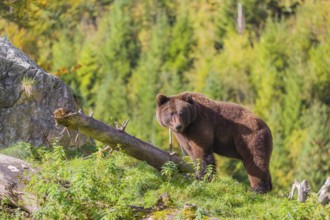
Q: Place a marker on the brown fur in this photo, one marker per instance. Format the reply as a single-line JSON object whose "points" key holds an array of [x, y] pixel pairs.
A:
{"points": [[203, 127]]}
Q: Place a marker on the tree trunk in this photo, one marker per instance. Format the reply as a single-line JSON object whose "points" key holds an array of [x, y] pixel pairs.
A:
{"points": [[13, 181], [113, 136]]}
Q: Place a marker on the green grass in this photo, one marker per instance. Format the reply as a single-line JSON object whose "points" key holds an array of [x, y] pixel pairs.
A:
{"points": [[26, 151], [20, 150], [108, 186]]}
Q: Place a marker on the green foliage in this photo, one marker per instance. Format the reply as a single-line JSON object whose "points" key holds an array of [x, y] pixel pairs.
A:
{"points": [[89, 73], [116, 58], [118, 55], [169, 170], [236, 59], [107, 187], [209, 172], [144, 84], [314, 158], [179, 50], [25, 151], [270, 70], [17, 11], [319, 66], [8, 213], [94, 188], [19, 150]]}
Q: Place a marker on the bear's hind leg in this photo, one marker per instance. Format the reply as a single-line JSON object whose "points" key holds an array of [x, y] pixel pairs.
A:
{"points": [[255, 153]]}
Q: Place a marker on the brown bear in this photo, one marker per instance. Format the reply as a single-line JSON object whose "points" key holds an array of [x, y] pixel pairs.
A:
{"points": [[204, 126]]}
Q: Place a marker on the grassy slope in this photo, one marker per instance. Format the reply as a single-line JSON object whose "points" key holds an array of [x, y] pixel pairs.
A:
{"points": [[108, 187]]}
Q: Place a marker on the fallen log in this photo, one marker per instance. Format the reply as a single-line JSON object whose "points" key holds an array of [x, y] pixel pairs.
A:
{"points": [[14, 174], [113, 136]]}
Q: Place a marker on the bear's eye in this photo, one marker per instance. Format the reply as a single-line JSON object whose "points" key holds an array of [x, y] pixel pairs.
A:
{"points": [[172, 113], [180, 113]]}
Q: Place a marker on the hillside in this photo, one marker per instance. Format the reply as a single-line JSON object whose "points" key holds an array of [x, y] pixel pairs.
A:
{"points": [[118, 55], [116, 186]]}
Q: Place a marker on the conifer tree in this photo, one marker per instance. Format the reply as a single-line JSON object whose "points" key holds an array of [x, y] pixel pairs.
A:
{"points": [[145, 83], [117, 52], [313, 162], [270, 68], [291, 109], [89, 74], [64, 58], [230, 80], [203, 13], [179, 49], [319, 64]]}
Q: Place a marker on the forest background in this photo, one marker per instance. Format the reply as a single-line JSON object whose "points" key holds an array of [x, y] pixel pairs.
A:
{"points": [[117, 55]]}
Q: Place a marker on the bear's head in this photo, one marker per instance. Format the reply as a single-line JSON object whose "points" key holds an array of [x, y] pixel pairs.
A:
{"points": [[176, 112]]}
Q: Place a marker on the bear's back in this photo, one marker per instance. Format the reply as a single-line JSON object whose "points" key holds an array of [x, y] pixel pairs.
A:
{"points": [[228, 114]]}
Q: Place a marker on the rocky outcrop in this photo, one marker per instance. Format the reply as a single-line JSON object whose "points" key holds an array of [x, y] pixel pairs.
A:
{"points": [[28, 97]]}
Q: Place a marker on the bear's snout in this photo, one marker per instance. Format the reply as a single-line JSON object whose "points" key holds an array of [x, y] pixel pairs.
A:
{"points": [[176, 123]]}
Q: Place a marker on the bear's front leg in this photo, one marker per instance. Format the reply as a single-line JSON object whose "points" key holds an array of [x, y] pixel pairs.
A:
{"points": [[207, 167], [204, 161], [198, 143]]}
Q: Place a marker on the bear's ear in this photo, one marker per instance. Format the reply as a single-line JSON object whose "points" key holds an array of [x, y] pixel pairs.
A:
{"points": [[188, 98], [161, 99]]}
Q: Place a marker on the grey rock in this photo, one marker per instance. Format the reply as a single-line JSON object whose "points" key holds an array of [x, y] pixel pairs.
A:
{"points": [[28, 97], [14, 175]]}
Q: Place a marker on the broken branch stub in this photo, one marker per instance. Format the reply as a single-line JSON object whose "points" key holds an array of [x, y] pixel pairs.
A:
{"points": [[324, 193], [111, 136], [302, 188]]}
